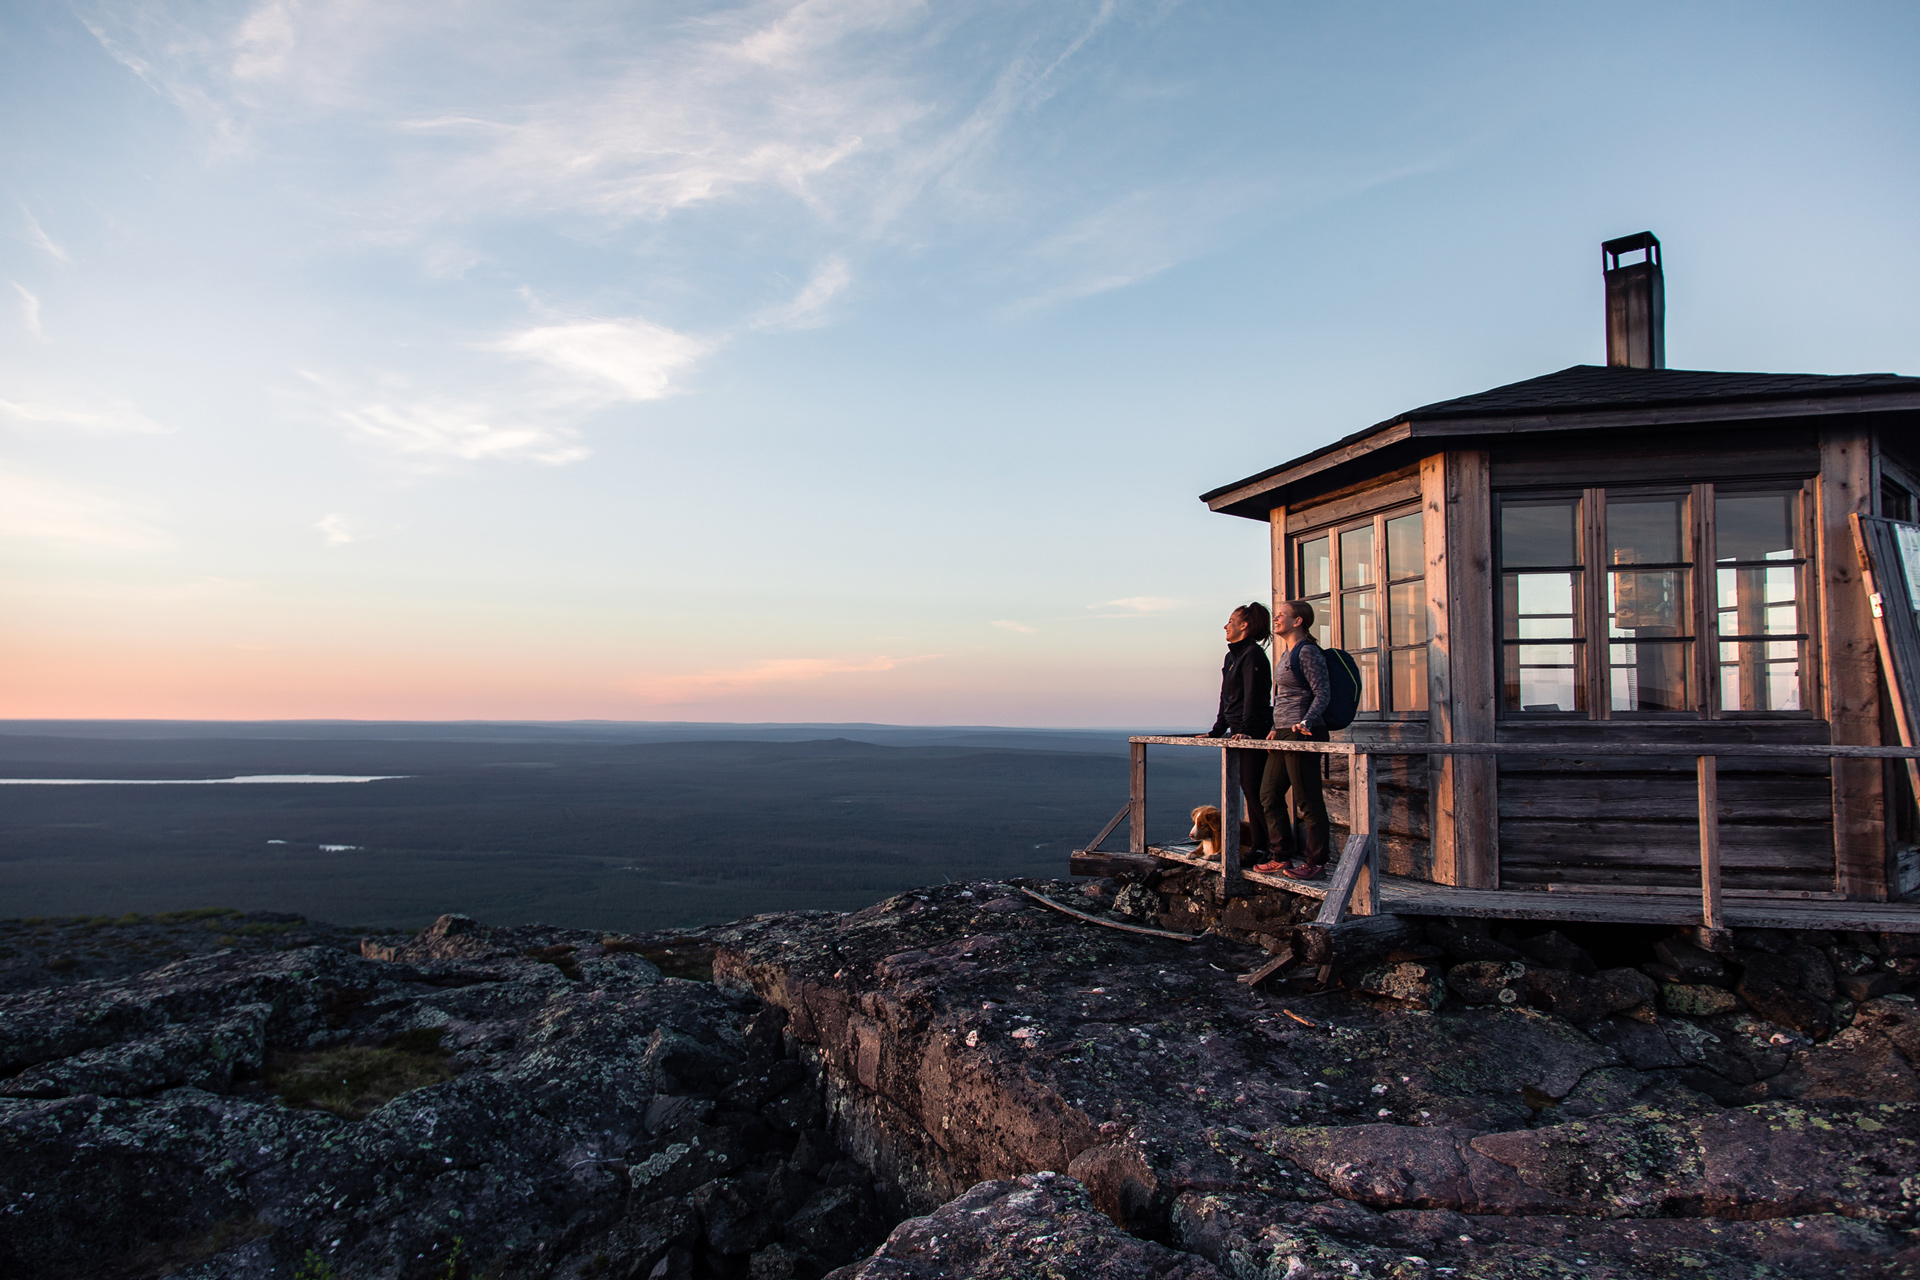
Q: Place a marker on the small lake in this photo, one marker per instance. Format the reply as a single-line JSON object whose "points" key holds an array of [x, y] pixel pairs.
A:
{"points": [[198, 782]]}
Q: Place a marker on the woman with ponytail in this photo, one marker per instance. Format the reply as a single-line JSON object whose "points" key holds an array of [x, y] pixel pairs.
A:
{"points": [[1246, 710]]}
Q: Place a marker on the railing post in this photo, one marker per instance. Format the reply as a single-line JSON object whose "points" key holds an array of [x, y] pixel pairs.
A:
{"points": [[1363, 816], [1232, 883], [1707, 770], [1137, 798]]}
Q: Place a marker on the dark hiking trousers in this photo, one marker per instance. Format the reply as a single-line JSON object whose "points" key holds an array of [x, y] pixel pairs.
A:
{"points": [[1253, 772], [1297, 772]]}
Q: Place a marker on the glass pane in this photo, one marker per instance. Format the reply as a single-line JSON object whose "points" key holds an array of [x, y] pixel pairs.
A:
{"points": [[1539, 606], [1356, 557], [1408, 676], [1647, 531], [1753, 526], [1360, 621], [1651, 677], [1407, 613], [1313, 569], [1406, 547], [1760, 675], [1321, 629], [1545, 677], [1759, 601], [1648, 603], [1539, 533], [1369, 664]]}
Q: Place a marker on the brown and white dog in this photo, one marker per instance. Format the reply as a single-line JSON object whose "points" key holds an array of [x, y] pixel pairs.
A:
{"points": [[1206, 829]]}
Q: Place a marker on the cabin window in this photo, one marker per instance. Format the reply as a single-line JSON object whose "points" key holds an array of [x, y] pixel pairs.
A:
{"points": [[1649, 611], [1896, 501], [1540, 585], [1760, 573], [1366, 581], [1670, 564]]}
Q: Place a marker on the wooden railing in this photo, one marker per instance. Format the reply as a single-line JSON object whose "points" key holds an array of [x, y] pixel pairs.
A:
{"points": [[1355, 884]]}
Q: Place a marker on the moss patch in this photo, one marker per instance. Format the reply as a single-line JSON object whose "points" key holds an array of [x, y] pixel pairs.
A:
{"points": [[676, 958], [354, 1081]]}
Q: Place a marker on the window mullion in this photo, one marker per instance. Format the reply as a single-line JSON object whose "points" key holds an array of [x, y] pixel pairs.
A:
{"points": [[1383, 612], [1595, 579], [1706, 597]]}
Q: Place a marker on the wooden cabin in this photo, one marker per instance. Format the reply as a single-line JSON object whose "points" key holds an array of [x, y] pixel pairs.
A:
{"points": [[1604, 555]]}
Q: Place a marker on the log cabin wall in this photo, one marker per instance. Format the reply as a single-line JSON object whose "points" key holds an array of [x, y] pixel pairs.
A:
{"points": [[1645, 660]]}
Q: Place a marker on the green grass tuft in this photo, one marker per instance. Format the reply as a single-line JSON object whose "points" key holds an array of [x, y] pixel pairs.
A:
{"points": [[353, 1081]]}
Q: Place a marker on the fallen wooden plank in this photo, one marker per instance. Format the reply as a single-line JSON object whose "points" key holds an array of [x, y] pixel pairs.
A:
{"points": [[1110, 924], [1268, 969]]}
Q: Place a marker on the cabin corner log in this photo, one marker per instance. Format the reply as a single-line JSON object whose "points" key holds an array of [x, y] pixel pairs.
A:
{"points": [[1355, 941], [1087, 862]]}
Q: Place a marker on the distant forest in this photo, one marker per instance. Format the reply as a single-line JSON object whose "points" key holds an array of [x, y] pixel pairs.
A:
{"points": [[615, 827]]}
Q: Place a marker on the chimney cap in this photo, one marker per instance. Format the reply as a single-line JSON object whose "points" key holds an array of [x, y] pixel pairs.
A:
{"points": [[1611, 250]]}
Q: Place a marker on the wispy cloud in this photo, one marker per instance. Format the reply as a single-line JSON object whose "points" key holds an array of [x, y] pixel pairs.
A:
{"points": [[577, 368], [37, 236], [1008, 624], [112, 417], [432, 430], [29, 309], [1136, 606], [609, 360], [43, 510], [333, 529], [807, 309]]}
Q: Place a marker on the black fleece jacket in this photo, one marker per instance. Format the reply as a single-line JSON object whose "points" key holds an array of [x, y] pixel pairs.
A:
{"points": [[1246, 692]]}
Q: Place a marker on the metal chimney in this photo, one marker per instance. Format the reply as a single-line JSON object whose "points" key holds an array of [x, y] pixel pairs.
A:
{"points": [[1636, 304]]}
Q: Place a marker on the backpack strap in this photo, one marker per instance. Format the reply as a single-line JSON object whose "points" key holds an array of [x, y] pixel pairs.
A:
{"points": [[1293, 655]]}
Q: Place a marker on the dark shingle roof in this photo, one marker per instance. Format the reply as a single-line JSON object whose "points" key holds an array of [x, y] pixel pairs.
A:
{"points": [[1590, 386], [1562, 399]]}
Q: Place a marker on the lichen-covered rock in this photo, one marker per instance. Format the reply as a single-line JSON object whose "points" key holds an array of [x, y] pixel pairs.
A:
{"points": [[968, 1035], [1697, 1001], [582, 1118], [1489, 981], [1039, 1224], [1411, 982]]}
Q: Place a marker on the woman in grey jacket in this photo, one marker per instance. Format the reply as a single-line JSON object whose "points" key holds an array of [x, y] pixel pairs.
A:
{"points": [[1301, 690]]}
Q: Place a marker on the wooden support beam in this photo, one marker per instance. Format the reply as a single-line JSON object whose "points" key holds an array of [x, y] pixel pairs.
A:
{"points": [[1137, 798], [1707, 770], [1456, 503], [1850, 662], [1093, 846], [1346, 873], [1232, 883], [1364, 814]]}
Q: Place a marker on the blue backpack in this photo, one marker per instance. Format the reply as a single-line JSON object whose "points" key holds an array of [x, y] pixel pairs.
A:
{"points": [[1343, 673]]}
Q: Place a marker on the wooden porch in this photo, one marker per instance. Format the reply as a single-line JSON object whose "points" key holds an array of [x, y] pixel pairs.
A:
{"points": [[1357, 886]]}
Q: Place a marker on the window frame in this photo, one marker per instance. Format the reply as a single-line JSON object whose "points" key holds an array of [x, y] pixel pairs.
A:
{"points": [[1330, 612], [1594, 640]]}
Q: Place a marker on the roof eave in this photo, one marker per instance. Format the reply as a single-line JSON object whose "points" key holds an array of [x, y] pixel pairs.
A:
{"points": [[1387, 434]]}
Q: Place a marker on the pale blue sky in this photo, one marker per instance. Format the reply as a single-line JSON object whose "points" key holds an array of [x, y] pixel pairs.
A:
{"points": [[853, 360]]}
